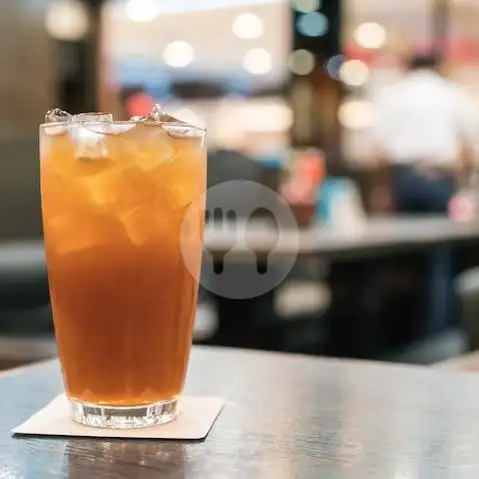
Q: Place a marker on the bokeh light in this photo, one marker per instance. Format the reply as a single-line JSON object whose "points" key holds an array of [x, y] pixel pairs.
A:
{"points": [[66, 20], [370, 35], [248, 26], [178, 54], [302, 62], [333, 65], [305, 6], [258, 61], [312, 24], [142, 10], [356, 114], [354, 73]]}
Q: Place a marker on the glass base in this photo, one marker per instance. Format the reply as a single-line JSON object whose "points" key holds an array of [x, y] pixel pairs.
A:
{"points": [[129, 417]]}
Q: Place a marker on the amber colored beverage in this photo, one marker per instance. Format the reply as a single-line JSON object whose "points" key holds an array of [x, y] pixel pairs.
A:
{"points": [[121, 202]]}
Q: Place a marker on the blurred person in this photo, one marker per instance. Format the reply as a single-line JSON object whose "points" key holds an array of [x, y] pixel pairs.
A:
{"points": [[425, 136]]}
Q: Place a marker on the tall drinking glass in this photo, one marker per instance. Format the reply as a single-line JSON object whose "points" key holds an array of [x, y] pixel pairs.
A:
{"points": [[121, 203]]}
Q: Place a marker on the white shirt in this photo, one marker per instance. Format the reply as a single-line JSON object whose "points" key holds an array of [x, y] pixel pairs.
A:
{"points": [[423, 117]]}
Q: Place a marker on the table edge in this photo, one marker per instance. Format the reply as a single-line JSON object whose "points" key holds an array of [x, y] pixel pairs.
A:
{"points": [[26, 368], [239, 352]]}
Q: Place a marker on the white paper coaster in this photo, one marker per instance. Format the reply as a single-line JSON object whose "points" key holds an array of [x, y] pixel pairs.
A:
{"points": [[195, 421]]}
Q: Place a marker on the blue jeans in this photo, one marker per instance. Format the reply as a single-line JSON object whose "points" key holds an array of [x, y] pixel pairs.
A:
{"points": [[416, 194]]}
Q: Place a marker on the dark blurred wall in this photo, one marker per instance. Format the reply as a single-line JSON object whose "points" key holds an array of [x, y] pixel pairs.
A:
{"points": [[26, 92]]}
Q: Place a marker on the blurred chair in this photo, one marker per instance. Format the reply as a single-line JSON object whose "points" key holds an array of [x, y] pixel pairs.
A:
{"points": [[20, 212], [24, 296], [224, 166], [467, 287], [23, 280], [229, 165], [300, 306], [300, 303], [25, 317]]}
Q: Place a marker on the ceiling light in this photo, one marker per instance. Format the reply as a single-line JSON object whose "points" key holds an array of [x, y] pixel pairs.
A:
{"points": [[354, 72], [248, 26], [66, 20], [302, 62], [312, 24], [305, 6], [356, 114], [258, 61], [370, 35], [178, 54], [142, 10]]}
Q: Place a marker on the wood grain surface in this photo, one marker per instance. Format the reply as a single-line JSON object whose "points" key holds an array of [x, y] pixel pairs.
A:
{"points": [[285, 417]]}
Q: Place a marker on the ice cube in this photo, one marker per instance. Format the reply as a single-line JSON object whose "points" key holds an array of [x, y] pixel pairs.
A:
{"points": [[170, 125], [139, 226], [58, 115], [119, 189], [61, 119], [157, 116], [56, 130], [88, 131], [78, 232], [147, 146], [92, 118], [182, 180], [104, 189], [90, 144], [144, 225]]}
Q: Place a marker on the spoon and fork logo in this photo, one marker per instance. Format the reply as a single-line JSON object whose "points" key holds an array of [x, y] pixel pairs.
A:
{"points": [[250, 242]]}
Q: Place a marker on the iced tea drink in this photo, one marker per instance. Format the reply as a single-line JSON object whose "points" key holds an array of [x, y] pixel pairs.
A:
{"points": [[121, 202]]}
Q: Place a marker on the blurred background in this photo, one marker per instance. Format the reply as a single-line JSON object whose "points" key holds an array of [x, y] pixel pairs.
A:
{"points": [[279, 84]]}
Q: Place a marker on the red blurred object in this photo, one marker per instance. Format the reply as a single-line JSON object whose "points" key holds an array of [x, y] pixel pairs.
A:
{"points": [[457, 48], [311, 167], [462, 209], [301, 190], [307, 174], [139, 104]]}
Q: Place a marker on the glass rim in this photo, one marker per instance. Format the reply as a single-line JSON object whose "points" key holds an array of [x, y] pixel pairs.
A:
{"points": [[176, 124]]}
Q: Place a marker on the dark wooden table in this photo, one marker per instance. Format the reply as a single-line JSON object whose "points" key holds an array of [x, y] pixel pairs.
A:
{"points": [[285, 417]]}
